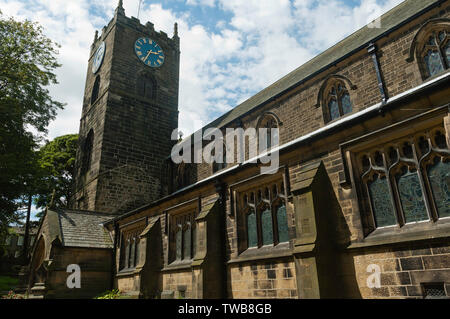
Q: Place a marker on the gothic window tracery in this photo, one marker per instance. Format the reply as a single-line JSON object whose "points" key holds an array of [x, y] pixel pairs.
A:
{"points": [[408, 180], [263, 211], [269, 137], [183, 232], [337, 100], [129, 249], [435, 51], [220, 165]]}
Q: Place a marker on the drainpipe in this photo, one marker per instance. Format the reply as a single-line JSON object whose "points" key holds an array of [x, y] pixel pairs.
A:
{"points": [[372, 49]]}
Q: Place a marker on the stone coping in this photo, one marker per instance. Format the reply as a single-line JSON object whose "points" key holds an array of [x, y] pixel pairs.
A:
{"points": [[178, 266], [279, 251], [420, 231]]}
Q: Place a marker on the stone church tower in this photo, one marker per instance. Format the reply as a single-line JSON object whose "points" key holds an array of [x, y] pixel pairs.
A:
{"points": [[130, 109]]}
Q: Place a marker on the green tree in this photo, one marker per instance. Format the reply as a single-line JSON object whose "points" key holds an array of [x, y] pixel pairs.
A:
{"points": [[57, 163], [27, 62]]}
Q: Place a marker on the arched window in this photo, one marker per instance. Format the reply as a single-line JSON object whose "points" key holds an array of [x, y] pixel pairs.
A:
{"points": [[252, 233], [182, 239], [146, 86], [129, 249], [187, 251], [337, 100], [268, 131], [381, 203], [439, 177], [266, 225], [87, 151], [95, 90], [282, 223], [220, 165], [263, 216], [431, 47], [435, 52], [132, 254], [178, 241], [183, 175], [127, 254]]}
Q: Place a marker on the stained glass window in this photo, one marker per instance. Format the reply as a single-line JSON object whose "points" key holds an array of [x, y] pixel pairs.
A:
{"points": [[283, 231], [194, 241], [346, 104], [127, 254], [132, 253], [271, 137], [433, 63], [136, 259], [252, 234], [339, 102], [439, 176], [334, 109], [411, 197], [381, 202], [447, 52], [436, 53], [187, 243], [265, 215], [266, 225], [178, 242]]}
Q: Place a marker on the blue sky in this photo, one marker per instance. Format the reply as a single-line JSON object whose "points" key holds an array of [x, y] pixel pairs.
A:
{"points": [[230, 49]]}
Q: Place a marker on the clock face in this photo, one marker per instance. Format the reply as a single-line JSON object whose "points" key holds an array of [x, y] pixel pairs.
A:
{"points": [[149, 52], [98, 57]]}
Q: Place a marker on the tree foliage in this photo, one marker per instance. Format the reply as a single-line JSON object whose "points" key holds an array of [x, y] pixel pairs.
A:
{"points": [[27, 62], [57, 162]]}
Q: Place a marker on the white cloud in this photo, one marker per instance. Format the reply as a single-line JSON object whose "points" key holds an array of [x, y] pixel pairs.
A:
{"points": [[208, 3], [260, 43]]}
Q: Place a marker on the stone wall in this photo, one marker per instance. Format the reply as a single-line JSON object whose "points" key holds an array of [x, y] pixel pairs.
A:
{"points": [[262, 279], [95, 265], [403, 269], [178, 282]]}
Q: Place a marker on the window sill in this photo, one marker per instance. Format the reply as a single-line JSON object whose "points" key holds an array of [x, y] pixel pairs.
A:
{"points": [[178, 265], [265, 252], [408, 233], [126, 272]]}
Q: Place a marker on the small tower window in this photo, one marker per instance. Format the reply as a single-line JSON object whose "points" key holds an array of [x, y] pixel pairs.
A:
{"points": [[95, 90], [146, 86], [87, 151]]}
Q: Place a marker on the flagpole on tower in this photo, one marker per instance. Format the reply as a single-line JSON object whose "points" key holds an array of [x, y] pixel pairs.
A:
{"points": [[139, 8]]}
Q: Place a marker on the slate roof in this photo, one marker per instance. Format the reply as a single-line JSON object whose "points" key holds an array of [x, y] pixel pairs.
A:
{"points": [[82, 228], [354, 42]]}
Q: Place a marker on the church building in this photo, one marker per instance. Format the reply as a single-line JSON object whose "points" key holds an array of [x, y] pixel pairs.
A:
{"points": [[358, 207]]}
